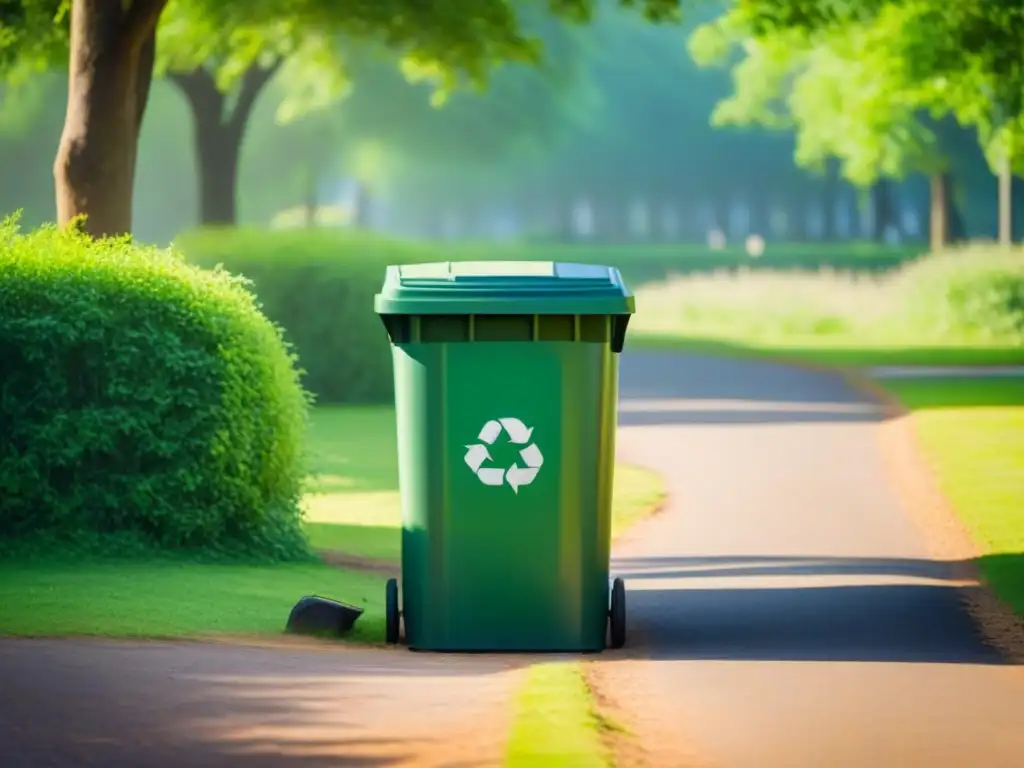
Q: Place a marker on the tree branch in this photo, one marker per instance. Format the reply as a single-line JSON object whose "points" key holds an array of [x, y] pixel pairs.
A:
{"points": [[253, 82], [200, 89], [140, 20]]}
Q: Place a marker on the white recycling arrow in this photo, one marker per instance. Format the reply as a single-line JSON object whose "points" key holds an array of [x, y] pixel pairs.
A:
{"points": [[532, 456], [516, 476], [519, 476], [491, 475], [518, 432], [476, 455], [490, 432]]}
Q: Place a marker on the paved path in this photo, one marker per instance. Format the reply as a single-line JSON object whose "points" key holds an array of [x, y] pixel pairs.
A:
{"points": [[162, 705], [787, 606]]}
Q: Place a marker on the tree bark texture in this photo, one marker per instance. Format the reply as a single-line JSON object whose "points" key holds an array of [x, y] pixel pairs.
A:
{"points": [[938, 217], [110, 68], [218, 133]]}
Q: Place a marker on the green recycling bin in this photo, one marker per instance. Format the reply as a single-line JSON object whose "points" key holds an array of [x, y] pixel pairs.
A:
{"points": [[506, 396]]}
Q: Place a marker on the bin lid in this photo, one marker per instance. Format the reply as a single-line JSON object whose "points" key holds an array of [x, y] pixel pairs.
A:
{"points": [[503, 288]]}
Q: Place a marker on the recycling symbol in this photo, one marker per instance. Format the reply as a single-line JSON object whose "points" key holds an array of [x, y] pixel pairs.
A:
{"points": [[518, 434]]}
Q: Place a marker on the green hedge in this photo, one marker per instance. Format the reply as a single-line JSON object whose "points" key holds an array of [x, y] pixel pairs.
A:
{"points": [[144, 404], [319, 285]]}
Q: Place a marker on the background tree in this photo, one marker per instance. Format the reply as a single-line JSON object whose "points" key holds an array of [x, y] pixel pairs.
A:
{"points": [[347, 93], [961, 60], [111, 57]]}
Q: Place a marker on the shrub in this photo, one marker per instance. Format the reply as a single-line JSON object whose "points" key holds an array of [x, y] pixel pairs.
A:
{"points": [[976, 292], [144, 403], [319, 285], [319, 288], [974, 296]]}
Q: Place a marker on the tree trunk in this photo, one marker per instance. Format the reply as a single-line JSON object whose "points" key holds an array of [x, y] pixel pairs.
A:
{"points": [[110, 68], [362, 216], [143, 83], [218, 134], [938, 217], [882, 209], [829, 200], [1005, 204], [797, 219]]}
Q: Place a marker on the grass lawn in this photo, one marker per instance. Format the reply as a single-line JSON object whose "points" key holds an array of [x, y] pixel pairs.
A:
{"points": [[173, 599], [972, 433], [850, 351], [353, 502], [352, 506]]}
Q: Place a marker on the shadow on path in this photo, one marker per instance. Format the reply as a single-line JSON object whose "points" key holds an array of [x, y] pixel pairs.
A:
{"points": [[838, 609], [160, 704]]}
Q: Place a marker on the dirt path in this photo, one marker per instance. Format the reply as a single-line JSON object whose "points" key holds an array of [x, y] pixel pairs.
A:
{"points": [[785, 610]]}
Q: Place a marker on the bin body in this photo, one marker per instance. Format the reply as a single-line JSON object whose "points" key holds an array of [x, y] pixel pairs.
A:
{"points": [[506, 386]]}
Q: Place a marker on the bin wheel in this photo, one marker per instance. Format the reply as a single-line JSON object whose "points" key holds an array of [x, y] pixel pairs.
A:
{"points": [[617, 614], [391, 613]]}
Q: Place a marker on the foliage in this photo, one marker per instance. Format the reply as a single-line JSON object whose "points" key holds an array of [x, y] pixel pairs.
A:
{"points": [[846, 94], [144, 403], [449, 43], [969, 293], [856, 78], [33, 36], [386, 122], [320, 289]]}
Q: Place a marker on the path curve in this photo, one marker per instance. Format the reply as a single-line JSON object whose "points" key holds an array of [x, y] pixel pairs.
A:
{"points": [[783, 610]]}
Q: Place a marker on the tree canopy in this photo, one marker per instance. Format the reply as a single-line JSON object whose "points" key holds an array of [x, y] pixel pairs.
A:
{"points": [[446, 42], [885, 62]]}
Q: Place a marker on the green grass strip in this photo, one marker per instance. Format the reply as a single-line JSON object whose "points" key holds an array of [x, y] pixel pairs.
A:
{"points": [[972, 434], [556, 722]]}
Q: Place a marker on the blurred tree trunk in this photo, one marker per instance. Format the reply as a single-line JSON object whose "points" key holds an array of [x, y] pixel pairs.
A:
{"points": [[719, 215], [362, 215], [759, 222], [946, 220], [218, 133], [110, 68], [311, 204], [829, 200], [796, 219], [883, 209], [938, 216], [1005, 203]]}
